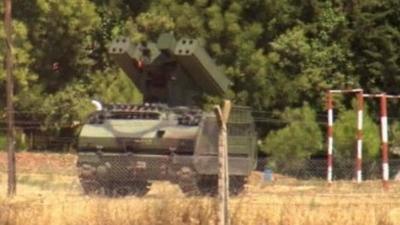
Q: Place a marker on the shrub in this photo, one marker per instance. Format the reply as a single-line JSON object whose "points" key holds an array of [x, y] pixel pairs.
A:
{"points": [[345, 129], [3, 142], [290, 146], [345, 143]]}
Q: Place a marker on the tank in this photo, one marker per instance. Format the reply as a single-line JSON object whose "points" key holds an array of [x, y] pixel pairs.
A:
{"points": [[123, 148]]}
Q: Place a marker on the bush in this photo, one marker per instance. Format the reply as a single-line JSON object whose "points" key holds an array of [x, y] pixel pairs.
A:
{"points": [[3, 142], [345, 143], [290, 146], [345, 129], [394, 138], [20, 142]]}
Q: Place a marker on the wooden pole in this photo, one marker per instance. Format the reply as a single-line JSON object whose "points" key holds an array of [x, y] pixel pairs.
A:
{"points": [[10, 107], [223, 174]]}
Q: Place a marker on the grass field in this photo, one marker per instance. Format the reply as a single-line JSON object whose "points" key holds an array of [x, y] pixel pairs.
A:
{"points": [[54, 197]]}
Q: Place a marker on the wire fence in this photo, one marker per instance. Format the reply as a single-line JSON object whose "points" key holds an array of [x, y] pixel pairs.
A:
{"points": [[343, 169], [124, 175], [103, 187]]}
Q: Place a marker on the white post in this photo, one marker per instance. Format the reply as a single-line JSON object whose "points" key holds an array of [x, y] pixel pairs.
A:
{"points": [[360, 106], [330, 137]]}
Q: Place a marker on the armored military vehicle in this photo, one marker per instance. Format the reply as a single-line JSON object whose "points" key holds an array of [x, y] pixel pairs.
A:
{"points": [[123, 148]]}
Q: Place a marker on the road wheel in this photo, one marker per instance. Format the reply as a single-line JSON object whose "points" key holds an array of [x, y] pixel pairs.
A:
{"points": [[187, 181], [208, 185], [92, 187], [137, 188], [236, 184]]}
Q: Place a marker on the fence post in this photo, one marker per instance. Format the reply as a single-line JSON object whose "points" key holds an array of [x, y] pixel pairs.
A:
{"points": [[360, 106], [384, 139], [10, 107], [223, 175], [330, 137]]}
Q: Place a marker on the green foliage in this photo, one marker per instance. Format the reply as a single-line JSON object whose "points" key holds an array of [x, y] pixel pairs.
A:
{"points": [[67, 106], [20, 145], [3, 142], [114, 86], [296, 142], [345, 136], [394, 138], [376, 44], [306, 60], [278, 54], [69, 60], [21, 58], [61, 34]]}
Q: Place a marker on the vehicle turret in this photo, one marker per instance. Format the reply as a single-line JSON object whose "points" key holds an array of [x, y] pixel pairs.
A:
{"points": [[170, 71]]}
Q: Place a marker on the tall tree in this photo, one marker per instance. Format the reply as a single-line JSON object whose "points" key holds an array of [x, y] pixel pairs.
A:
{"points": [[61, 34], [22, 59], [376, 44]]}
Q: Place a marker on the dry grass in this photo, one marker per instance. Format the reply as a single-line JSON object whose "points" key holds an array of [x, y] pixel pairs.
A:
{"points": [[42, 162], [44, 199], [42, 203]]}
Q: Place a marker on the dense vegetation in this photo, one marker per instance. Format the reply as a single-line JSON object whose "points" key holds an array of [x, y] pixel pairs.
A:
{"points": [[281, 56]]}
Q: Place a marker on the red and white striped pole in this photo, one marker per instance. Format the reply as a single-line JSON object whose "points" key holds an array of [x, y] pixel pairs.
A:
{"points": [[384, 138], [360, 106], [330, 130], [330, 137]]}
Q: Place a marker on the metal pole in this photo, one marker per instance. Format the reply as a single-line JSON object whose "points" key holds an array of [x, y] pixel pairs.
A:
{"points": [[223, 174], [360, 103], [10, 108], [384, 138], [360, 106], [330, 137], [384, 134]]}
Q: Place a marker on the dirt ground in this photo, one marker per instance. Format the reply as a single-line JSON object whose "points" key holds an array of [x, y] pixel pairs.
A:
{"points": [[42, 162]]}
